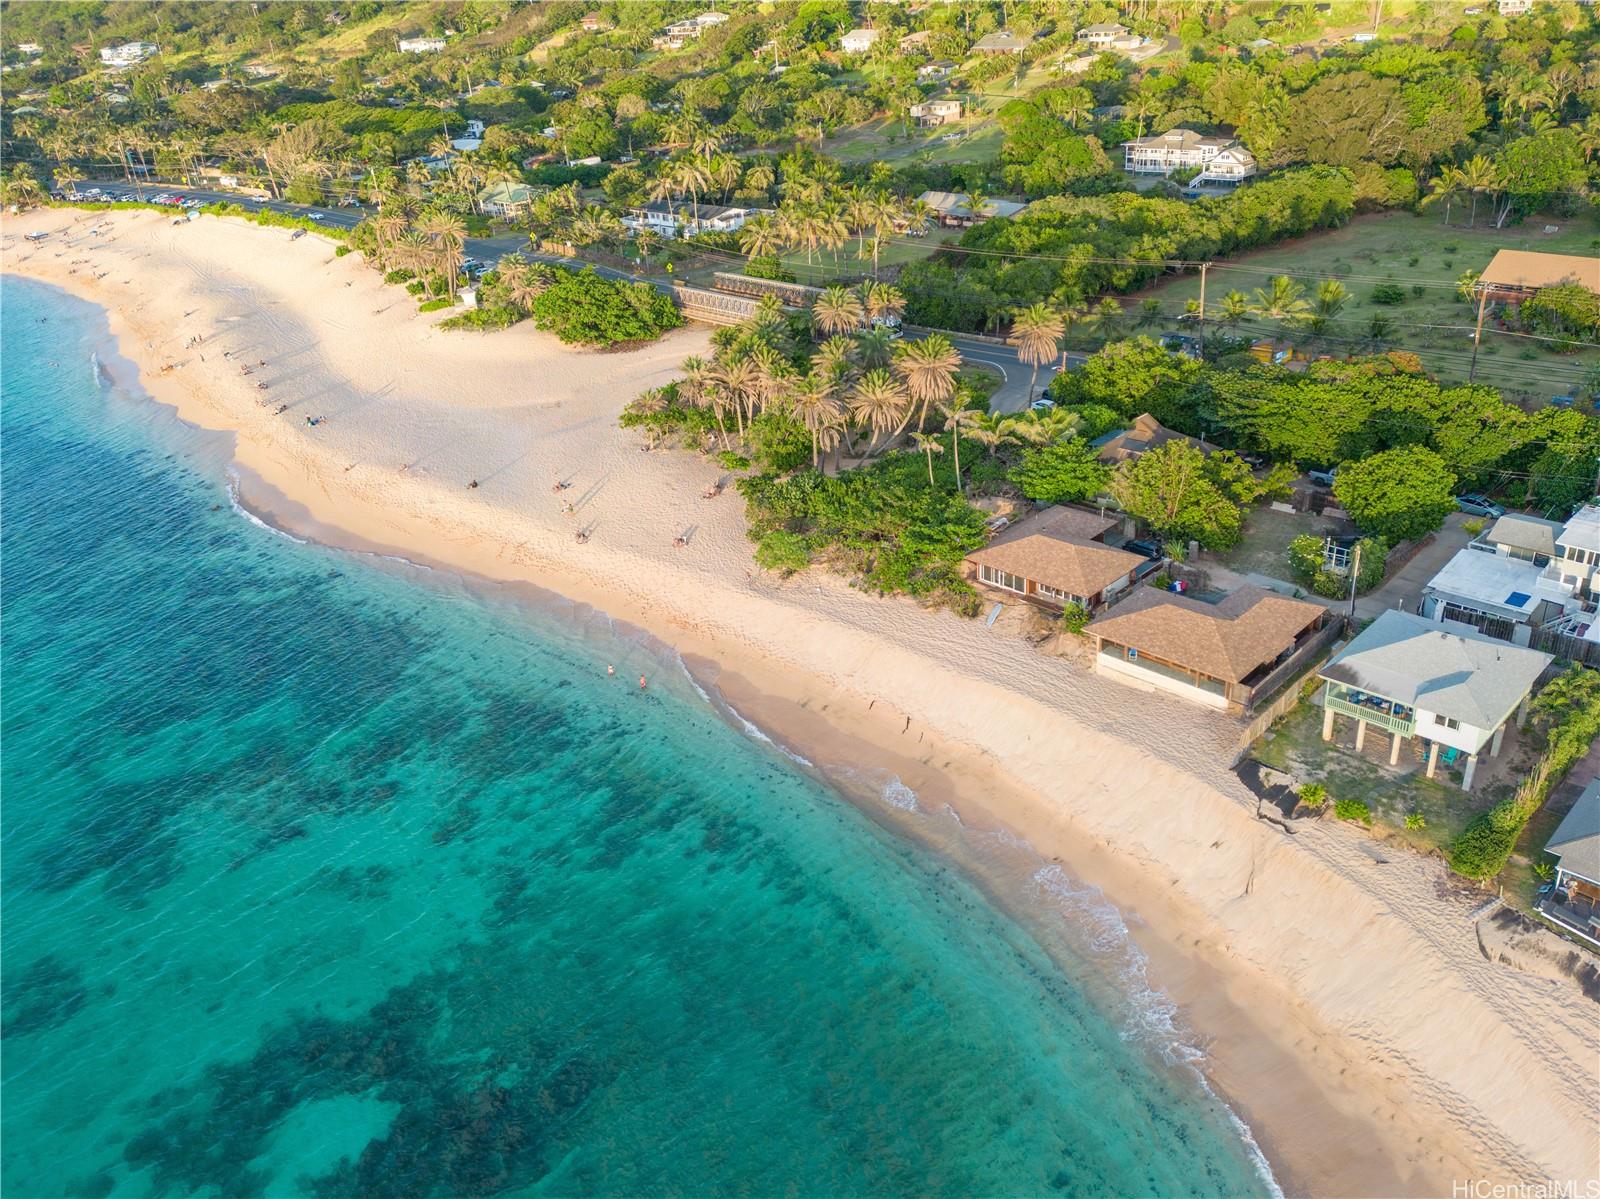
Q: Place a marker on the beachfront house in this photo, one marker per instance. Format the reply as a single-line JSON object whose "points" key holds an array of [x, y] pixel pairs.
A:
{"points": [[1147, 433], [506, 199], [421, 45], [682, 219], [932, 113], [1498, 595], [1226, 655], [1574, 900], [858, 41], [950, 208], [1451, 688], [128, 54], [1219, 159], [1056, 558], [1002, 41], [1102, 36]]}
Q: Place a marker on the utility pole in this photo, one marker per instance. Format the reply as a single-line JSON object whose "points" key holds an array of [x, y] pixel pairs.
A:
{"points": [[1203, 268], [1477, 335], [1355, 573]]}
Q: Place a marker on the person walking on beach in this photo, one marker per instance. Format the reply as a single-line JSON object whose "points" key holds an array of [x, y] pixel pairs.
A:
{"points": [[642, 683]]}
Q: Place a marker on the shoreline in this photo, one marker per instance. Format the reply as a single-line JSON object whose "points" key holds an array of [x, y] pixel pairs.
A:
{"points": [[1267, 1044]]}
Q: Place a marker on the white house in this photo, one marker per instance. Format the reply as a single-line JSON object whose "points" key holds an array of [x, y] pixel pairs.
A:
{"points": [[677, 35], [128, 54], [1183, 149], [1514, 8], [472, 139], [680, 218], [505, 199], [1452, 687], [1578, 544], [707, 19], [1574, 900], [1498, 595], [858, 41], [1232, 165], [932, 113], [1002, 41], [29, 48], [1101, 36], [932, 72], [421, 45]]}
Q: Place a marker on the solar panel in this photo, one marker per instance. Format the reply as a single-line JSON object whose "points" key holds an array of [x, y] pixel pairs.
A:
{"points": [[1517, 598]]}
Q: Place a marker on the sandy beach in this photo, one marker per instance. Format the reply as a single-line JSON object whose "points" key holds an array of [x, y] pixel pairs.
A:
{"points": [[1346, 1009]]}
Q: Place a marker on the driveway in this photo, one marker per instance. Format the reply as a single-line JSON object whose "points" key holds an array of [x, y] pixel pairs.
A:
{"points": [[1404, 589]]}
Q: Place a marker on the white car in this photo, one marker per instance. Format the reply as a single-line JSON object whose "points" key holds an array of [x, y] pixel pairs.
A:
{"points": [[313, 216]]}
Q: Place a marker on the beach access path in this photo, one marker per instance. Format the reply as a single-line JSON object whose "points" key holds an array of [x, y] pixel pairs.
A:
{"points": [[1398, 1057]]}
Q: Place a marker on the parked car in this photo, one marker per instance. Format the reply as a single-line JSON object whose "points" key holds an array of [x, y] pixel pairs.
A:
{"points": [[1148, 549], [1042, 404], [1323, 478], [1479, 505]]}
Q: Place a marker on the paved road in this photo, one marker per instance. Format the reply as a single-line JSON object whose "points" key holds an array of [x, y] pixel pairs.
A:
{"points": [[1011, 396]]}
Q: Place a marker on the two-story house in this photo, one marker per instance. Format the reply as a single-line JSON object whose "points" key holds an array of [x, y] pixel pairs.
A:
{"points": [[1183, 149], [930, 114], [1452, 687], [683, 219], [1578, 552]]}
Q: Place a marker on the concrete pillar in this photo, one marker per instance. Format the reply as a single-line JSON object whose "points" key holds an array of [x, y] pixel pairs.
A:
{"points": [[1361, 734], [1472, 766], [1494, 745], [1394, 749], [1433, 758], [1327, 724], [1522, 712]]}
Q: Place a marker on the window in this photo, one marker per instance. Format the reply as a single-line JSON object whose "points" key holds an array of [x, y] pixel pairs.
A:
{"points": [[1448, 722], [999, 578], [1060, 597]]}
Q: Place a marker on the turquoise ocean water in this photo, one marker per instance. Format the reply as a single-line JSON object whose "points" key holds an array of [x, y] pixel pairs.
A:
{"points": [[325, 875]]}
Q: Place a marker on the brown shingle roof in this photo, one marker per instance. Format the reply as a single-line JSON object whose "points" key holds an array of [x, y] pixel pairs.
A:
{"points": [[1058, 548], [1530, 270], [1147, 434], [1226, 640]]}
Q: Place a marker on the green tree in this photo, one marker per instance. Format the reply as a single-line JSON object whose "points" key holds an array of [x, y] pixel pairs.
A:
{"points": [[1169, 490], [1056, 474], [1399, 495], [583, 308]]}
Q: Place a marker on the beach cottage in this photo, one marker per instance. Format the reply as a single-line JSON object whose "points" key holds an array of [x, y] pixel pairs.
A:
{"points": [[1225, 655], [1056, 558], [1453, 688]]}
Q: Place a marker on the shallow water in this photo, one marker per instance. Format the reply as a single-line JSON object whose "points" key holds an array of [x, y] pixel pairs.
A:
{"points": [[325, 875]]}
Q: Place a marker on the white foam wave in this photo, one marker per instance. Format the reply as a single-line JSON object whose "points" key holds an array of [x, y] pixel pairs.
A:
{"points": [[897, 795], [233, 501], [1152, 1018]]}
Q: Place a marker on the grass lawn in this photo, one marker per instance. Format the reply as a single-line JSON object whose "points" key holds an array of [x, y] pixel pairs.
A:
{"points": [[1410, 251], [1264, 546], [1295, 746]]}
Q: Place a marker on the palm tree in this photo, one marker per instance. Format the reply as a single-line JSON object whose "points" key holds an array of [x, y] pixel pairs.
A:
{"points": [[1108, 315], [976, 203], [1445, 186], [1283, 300], [693, 178], [1332, 296], [67, 179], [1036, 331], [882, 301], [929, 368], [834, 357], [930, 445], [760, 237], [878, 401], [524, 285], [875, 347], [958, 414], [1478, 175], [837, 310], [1234, 308], [737, 379], [991, 430], [448, 235], [1149, 313], [813, 401]]}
